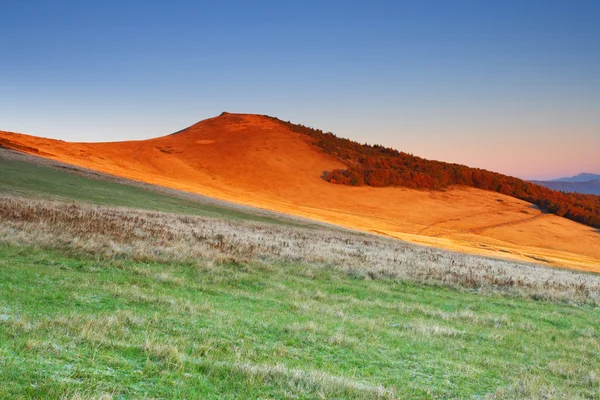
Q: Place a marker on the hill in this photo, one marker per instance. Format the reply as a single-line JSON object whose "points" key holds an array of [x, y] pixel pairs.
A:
{"points": [[266, 163], [112, 288]]}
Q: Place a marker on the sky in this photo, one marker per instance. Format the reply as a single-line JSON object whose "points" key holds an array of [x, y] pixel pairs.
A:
{"points": [[509, 86]]}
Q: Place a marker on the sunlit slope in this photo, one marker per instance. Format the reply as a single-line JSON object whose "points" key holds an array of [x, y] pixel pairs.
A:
{"points": [[257, 161]]}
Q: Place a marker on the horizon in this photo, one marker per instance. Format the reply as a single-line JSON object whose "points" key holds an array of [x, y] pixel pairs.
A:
{"points": [[507, 87]]}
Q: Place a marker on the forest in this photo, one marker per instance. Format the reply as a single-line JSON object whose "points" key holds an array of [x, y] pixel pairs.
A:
{"points": [[380, 166]]}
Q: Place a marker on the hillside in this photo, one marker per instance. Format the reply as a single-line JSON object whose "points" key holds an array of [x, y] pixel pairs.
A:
{"points": [[110, 303], [39, 178], [262, 162], [378, 166], [188, 297], [116, 289]]}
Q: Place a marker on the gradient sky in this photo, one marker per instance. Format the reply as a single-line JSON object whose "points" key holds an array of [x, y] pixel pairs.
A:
{"points": [[510, 86]]}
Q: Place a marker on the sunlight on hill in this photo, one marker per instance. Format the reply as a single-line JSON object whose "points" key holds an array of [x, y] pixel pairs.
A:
{"points": [[254, 160]]}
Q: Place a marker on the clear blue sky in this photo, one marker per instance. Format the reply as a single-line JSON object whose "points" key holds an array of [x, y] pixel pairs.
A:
{"points": [[512, 86]]}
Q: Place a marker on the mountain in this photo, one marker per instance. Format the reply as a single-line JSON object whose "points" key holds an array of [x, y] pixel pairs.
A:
{"points": [[582, 177], [585, 187], [584, 183], [271, 164]]}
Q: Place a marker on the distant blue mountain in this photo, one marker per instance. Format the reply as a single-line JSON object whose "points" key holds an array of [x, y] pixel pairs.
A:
{"points": [[585, 183], [583, 177]]}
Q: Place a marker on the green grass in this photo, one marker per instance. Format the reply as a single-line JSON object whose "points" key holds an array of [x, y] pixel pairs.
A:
{"points": [[26, 179], [74, 327], [87, 326]]}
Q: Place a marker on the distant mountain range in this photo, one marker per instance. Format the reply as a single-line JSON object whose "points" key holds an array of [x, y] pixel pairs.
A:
{"points": [[585, 183], [583, 177]]}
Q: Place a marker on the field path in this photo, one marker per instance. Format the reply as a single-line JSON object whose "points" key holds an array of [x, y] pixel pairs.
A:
{"points": [[486, 227]]}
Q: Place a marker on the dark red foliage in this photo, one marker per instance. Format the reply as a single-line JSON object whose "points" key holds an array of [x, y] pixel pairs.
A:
{"points": [[379, 166]]}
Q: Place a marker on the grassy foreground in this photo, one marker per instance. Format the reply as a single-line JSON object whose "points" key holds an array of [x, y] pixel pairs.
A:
{"points": [[85, 327], [211, 302]]}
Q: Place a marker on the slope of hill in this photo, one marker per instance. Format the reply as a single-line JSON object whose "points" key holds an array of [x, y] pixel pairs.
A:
{"points": [[35, 177], [212, 300], [105, 303], [585, 187], [378, 166], [259, 161]]}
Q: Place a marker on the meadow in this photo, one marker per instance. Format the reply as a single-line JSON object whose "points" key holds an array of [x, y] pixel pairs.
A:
{"points": [[117, 298]]}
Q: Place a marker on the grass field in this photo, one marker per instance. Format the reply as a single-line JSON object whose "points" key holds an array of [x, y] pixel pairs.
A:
{"points": [[100, 302], [82, 327]]}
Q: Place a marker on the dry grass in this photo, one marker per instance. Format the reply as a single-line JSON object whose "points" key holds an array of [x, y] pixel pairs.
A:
{"points": [[80, 396], [144, 235]]}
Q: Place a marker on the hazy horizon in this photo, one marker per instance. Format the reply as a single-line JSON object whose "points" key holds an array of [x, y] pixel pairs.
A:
{"points": [[509, 87]]}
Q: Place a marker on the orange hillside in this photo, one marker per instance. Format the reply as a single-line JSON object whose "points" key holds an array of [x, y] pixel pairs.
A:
{"points": [[255, 160]]}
